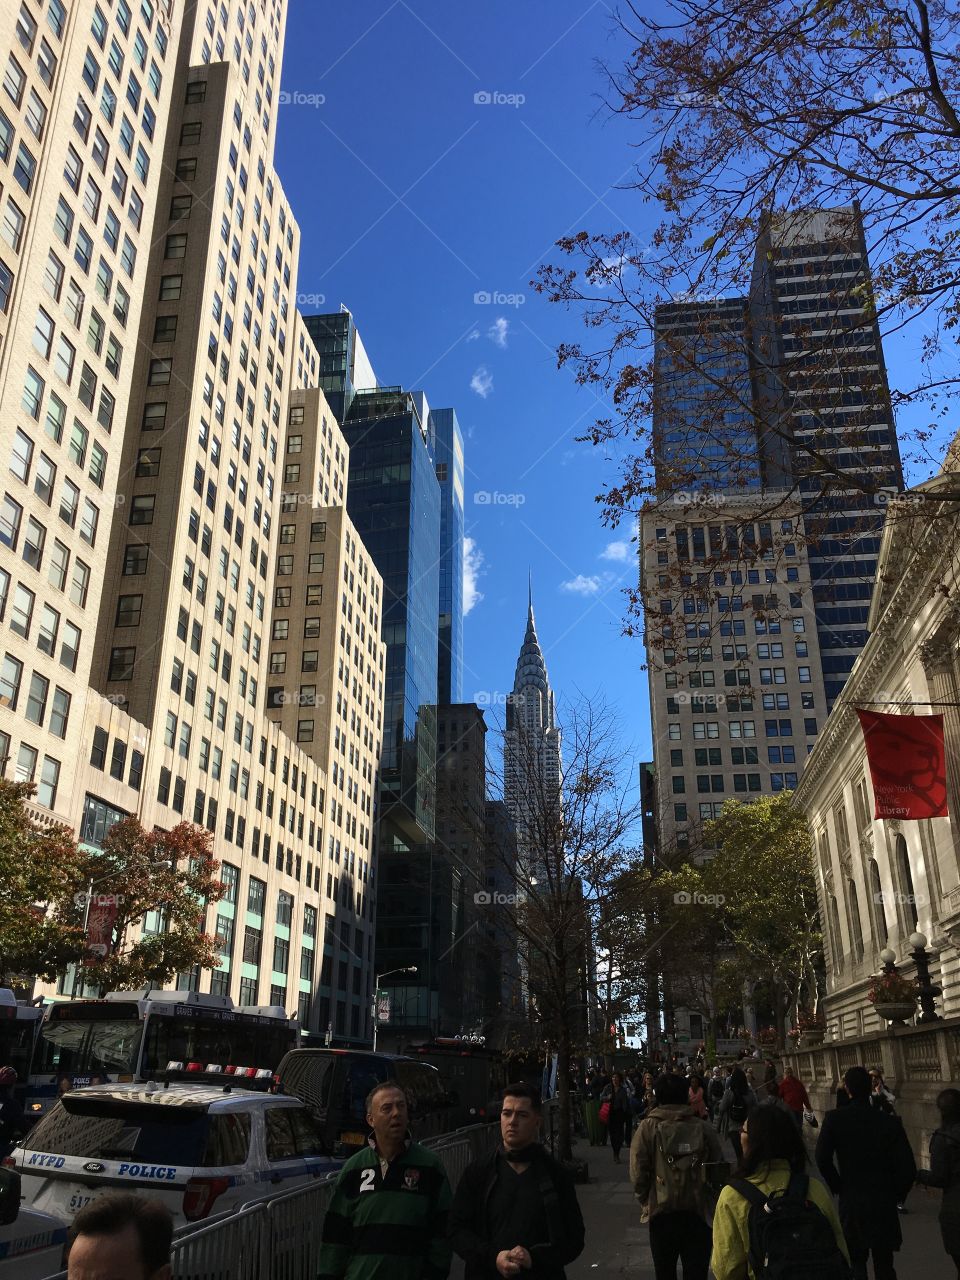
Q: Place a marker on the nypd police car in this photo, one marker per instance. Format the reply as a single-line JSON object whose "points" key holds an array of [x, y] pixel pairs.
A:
{"points": [[204, 1150]]}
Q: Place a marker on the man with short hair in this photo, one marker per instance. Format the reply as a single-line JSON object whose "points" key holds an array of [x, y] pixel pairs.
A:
{"points": [[865, 1158], [515, 1212], [388, 1216], [120, 1237], [670, 1159]]}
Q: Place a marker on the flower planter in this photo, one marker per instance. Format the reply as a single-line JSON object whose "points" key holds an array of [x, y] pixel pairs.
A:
{"points": [[812, 1039], [896, 1011]]}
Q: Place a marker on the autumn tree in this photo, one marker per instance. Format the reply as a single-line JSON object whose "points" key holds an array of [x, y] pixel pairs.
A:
{"points": [[750, 114], [626, 931], [137, 872], [765, 869], [40, 871], [700, 968]]}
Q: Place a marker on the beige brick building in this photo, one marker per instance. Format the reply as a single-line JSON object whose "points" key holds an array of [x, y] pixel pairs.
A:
{"points": [[736, 693], [150, 342]]}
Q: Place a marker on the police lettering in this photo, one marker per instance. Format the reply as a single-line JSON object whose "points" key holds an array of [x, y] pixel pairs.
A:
{"points": [[48, 1162], [158, 1171]]}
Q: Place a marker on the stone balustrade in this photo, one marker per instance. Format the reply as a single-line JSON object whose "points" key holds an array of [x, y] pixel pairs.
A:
{"points": [[917, 1062]]}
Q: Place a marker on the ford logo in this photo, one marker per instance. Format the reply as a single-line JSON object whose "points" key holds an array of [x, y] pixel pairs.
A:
{"points": [[93, 1166]]}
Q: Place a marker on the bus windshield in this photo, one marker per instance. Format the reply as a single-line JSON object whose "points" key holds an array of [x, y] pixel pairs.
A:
{"points": [[240, 1042], [74, 1047], [16, 1044]]}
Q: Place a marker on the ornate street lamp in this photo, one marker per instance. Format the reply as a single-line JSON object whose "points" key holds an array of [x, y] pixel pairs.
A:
{"points": [[927, 989]]}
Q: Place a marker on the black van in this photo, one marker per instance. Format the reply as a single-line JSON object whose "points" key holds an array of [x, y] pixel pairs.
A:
{"points": [[334, 1084]]}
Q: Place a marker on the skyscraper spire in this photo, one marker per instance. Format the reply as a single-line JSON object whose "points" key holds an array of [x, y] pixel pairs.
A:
{"points": [[532, 740]]}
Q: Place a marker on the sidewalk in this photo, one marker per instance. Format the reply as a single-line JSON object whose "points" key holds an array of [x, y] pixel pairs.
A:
{"points": [[617, 1245]]}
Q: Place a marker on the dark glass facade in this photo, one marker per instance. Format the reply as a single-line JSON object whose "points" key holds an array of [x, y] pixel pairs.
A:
{"points": [[829, 389], [394, 503], [704, 427], [448, 459], [801, 353]]}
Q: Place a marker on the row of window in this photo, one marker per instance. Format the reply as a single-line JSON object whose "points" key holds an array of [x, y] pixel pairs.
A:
{"points": [[713, 756], [739, 676], [40, 706], [44, 771], [736, 729], [709, 703], [50, 624], [119, 765], [716, 782]]}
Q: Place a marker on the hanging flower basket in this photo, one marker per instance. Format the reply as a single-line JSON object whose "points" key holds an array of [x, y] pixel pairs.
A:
{"points": [[896, 1012], [894, 997], [810, 1029]]}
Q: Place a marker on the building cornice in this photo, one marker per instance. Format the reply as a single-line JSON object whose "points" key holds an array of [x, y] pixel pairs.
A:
{"points": [[905, 605]]}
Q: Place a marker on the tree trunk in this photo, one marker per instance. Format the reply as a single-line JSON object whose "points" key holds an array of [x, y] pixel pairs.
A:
{"points": [[564, 1148]]}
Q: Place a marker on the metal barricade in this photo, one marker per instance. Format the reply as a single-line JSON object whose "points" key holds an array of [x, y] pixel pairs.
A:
{"points": [[231, 1249], [295, 1231], [279, 1238], [455, 1156]]}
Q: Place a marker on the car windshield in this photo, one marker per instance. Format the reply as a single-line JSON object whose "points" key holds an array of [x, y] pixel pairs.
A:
{"points": [[111, 1129], [82, 1047]]}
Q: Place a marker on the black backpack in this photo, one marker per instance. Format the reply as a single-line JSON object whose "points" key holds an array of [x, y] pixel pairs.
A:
{"points": [[737, 1111], [790, 1238]]}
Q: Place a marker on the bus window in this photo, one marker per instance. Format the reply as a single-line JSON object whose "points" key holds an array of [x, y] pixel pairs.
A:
{"points": [[81, 1047]]}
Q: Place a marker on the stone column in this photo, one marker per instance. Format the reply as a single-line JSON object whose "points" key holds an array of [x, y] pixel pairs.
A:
{"points": [[939, 656]]}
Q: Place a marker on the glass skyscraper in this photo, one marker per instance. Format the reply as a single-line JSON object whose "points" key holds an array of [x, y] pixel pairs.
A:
{"points": [[826, 385], [405, 498], [448, 458]]}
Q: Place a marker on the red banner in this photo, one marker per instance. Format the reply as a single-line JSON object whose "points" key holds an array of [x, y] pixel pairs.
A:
{"points": [[907, 764], [101, 917]]}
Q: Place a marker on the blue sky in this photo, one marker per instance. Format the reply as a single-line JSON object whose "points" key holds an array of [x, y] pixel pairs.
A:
{"points": [[433, 153], [413, 196]]}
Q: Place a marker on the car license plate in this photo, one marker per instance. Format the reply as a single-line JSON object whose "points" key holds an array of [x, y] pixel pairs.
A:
{"points": [[77, 1202]]}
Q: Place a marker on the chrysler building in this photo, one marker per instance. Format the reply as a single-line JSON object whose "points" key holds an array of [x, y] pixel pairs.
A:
{"points": [[531, 757]]}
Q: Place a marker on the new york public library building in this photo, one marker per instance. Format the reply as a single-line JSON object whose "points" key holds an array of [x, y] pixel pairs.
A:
{"points": [[889, 886]]}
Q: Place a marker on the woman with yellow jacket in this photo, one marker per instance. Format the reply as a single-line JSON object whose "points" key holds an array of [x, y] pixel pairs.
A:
{"points": [[773, 1153]]}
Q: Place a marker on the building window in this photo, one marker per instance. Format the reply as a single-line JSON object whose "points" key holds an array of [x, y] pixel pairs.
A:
{"points": [[128, 611], [122, 661], [141, 508]]}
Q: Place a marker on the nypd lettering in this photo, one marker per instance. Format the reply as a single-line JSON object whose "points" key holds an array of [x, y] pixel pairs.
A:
{"points": [[47, 1162]]}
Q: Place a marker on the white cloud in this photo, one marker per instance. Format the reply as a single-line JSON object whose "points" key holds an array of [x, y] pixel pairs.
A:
{"points": [[620, 552], [472, 569], [498, 331], [473, 335], [482, 382], [583, 585]]}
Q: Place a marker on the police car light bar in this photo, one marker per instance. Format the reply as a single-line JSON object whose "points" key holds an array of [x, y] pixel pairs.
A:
{"points": [[216, 1068]]}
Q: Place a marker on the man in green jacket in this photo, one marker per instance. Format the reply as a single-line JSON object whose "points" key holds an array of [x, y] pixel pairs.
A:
{"points": [[388, 1216]]}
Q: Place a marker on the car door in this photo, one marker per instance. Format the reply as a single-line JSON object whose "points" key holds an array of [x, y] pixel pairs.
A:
{"points": [[285, 1162], [310, 1144]]}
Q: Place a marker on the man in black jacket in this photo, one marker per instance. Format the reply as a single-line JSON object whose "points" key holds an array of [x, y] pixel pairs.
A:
{"points": [[866, 1159], [515, 1212]]}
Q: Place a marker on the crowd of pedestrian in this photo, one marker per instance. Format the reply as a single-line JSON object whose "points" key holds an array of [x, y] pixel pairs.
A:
{"points": [[515, 1211]]}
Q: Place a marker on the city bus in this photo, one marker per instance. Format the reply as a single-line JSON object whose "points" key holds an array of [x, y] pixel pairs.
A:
{"points": [[134, 1036], [475, 1074], [19, 1024]]}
